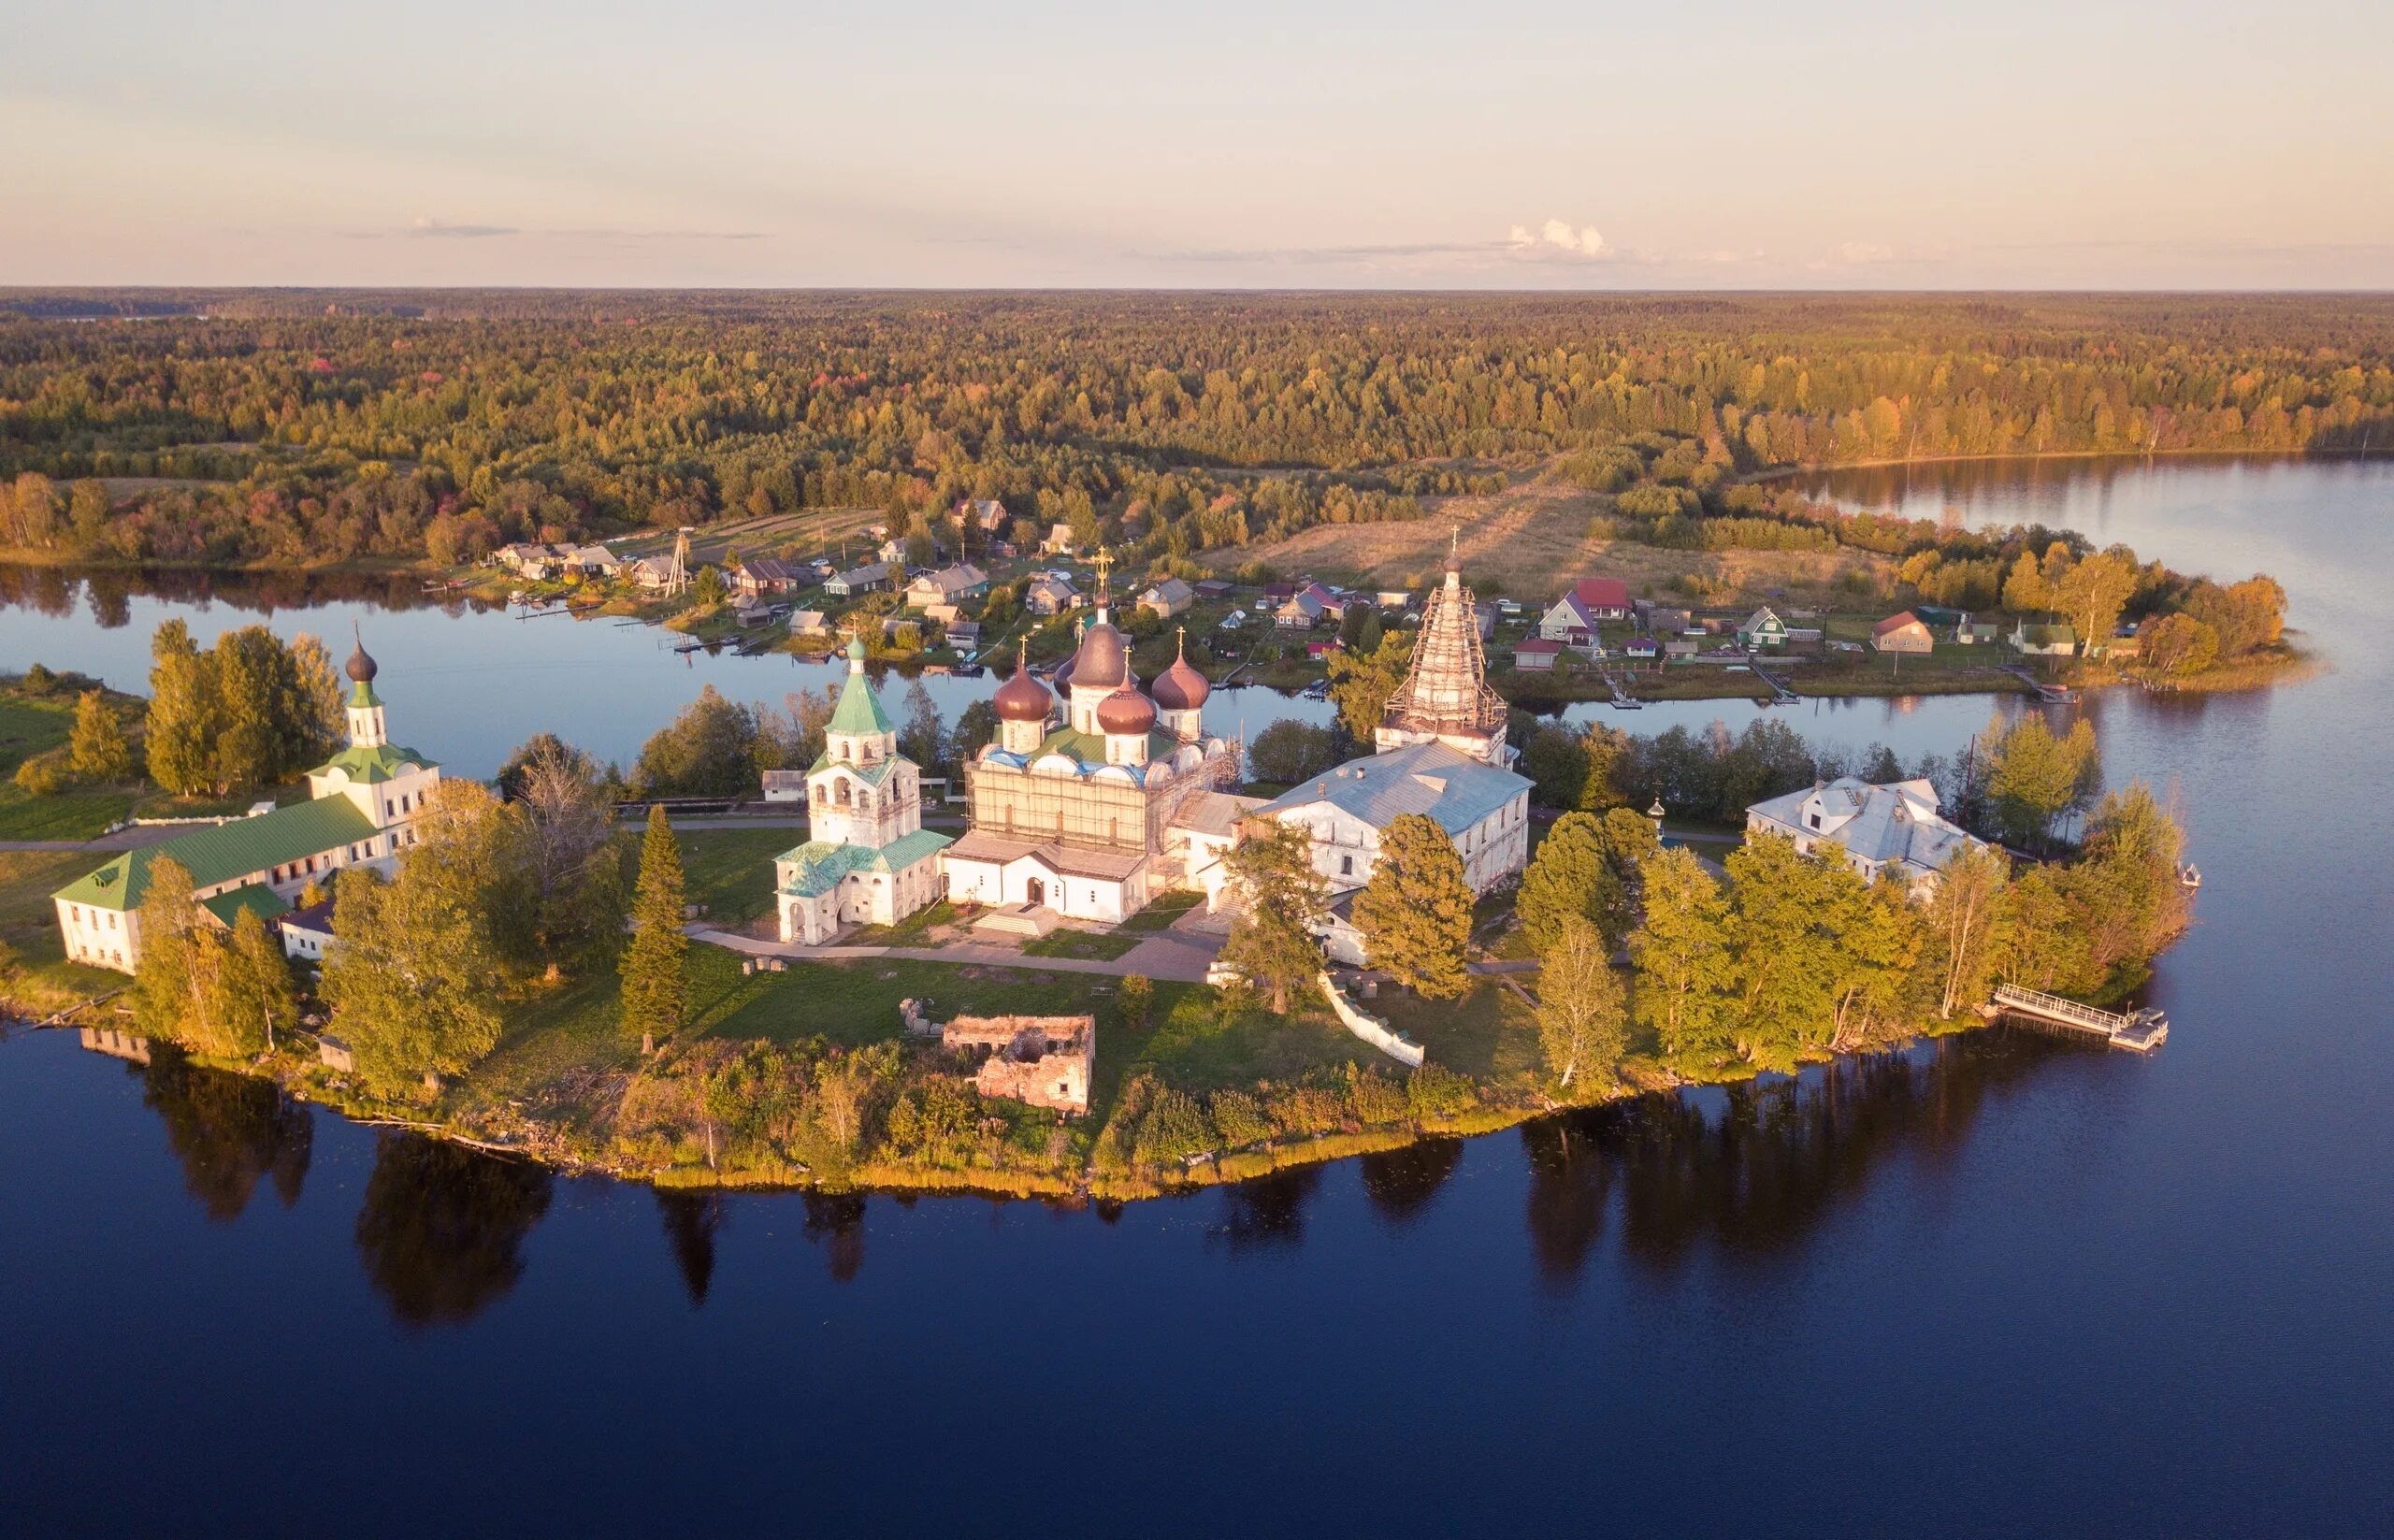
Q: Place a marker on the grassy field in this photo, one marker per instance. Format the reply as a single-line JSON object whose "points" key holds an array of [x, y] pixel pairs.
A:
{"points": [[1527, 541], [731, 870]]}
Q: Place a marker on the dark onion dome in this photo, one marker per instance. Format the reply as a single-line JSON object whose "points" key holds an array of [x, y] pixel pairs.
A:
{"points": [[1023, 698], [1102, 662], [360, 667], [1180, 688], [1126, 712]]}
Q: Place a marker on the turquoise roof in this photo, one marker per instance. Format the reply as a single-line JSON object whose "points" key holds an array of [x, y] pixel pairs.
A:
{"points": [[858, 712], [872, 775], [364, 695], [821, 865], [367, 765]]}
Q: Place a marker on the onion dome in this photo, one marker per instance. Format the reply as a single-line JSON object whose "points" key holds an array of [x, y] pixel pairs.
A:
{"points": [[1101, 661], [1180, 688], [1126, 712], [361, 667], [1023, 698]]}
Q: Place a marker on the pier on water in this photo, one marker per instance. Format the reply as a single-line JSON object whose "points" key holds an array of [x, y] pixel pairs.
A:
{"points": [[2140, 1031]]}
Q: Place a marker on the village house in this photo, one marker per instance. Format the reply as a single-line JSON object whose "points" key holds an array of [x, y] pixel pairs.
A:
{"points": [[2043, 641], [761, 575], [809, 623], [1902, 633], [1892, 828], [987, 514], [1058, 542], [652, 573], [1762, 631], [1641, 648], [1661, 620], [963, 635], [869, 578], [593, 561], [948, 586], [1167, 598], [1394, 598], [1681, 649], [1977, 633], [893, 551], [1307, 607], [1049, 595], [1575, 617], [1214, 588], [1536, 655], [362, 808], [307, 932], [868, 860], [528, 559]]}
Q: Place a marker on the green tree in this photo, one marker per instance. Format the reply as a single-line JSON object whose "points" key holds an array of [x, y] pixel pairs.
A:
{"points": [[706, 588], [96, 748], [709, 750], [655, 992], [1606, 751], [1281, 898], [1965, 921], [1682, 952], [1628, 840], [252, 993], [2094, 592], [1556, 765], [1571, 876], [1361, 680], [1579, 1018], [2033, 778], [922, 738], [414, 983], [2176, 645], [172, 971], [562, 818], [1289, 751], [1785, 963], [1414, 912], [180, 732]]}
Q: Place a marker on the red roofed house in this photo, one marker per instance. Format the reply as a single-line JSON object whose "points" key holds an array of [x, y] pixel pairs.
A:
{"points": [[1575, 617], [1903, 633], [1536, 655]]}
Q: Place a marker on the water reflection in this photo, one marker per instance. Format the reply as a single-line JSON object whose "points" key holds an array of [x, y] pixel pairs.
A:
{"points": [[227, 1131], [442, 1227], [837, 1220], [691, 1220], [1762, 1176], [1569, 1177], [1269, 1211], [1401, 1183]]}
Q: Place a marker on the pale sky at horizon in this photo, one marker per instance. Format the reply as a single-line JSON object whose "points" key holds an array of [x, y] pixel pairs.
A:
{"points": [[1505, 145]]}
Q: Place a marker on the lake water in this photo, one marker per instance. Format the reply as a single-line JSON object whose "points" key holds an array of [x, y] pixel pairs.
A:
{"points": [[2001, 1285]]}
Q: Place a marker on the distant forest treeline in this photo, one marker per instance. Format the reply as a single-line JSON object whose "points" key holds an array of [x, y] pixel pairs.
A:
{"points": [[306, 427]]}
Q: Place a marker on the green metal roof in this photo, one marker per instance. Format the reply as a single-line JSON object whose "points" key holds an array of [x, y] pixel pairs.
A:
{"points": [[859, 709], [822, 865], [1090, 747], [364, 695], [872, 775], [367, 765], [257, 897], [228, 851]]}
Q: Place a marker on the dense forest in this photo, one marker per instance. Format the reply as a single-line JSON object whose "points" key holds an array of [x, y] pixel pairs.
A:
{"points": [[297, 427]]}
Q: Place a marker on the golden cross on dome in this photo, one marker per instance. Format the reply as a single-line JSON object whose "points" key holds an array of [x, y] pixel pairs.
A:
{"points": [[1103, 562]]}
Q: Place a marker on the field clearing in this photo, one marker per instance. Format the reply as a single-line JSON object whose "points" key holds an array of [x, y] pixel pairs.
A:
{"points": [[1526, 539]]}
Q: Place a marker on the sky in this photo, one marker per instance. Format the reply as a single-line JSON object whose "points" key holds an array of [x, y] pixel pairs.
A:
{"points": [[1678, 144]]}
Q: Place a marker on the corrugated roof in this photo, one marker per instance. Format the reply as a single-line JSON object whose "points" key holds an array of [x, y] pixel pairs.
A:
{"points": [[257, 897], [822, 865], [859, 711], [228, 851], [1428, 778]]}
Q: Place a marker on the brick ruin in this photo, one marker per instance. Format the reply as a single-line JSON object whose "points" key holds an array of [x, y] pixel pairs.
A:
{"points": [[1044, 1061]]}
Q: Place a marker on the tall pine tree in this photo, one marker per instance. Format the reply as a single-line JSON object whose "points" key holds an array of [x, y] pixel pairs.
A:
{"points": [[1415, 913], [655, 992]]}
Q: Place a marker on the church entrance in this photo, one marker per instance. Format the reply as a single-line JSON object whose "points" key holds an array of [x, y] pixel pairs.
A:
{"points": [[1034, 892]]}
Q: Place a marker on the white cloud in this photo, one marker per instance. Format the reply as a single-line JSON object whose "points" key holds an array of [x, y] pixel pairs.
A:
{"points": [[1559, 236]]}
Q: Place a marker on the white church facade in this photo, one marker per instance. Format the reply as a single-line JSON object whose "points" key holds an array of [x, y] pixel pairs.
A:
{"points": [[361, 806], [868, 860]]}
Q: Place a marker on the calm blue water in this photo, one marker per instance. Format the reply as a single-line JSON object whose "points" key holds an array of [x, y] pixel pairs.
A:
{"points": [[2001, 1286]]}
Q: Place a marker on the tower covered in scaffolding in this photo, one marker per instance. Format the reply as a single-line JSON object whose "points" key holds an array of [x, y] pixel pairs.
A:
{"points": [[1445, 697]]}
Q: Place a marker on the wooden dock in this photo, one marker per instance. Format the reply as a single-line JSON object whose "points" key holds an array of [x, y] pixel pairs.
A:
{"points": [[2139, 1031], [2050, 694]]}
